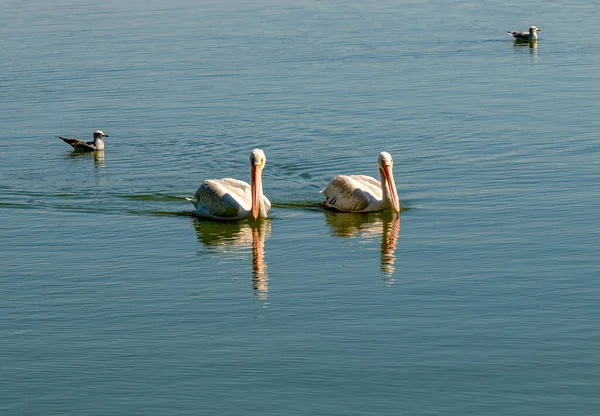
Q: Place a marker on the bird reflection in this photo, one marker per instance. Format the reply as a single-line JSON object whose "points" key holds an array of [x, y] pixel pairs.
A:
{"points": [[99, 158], [533, 49], [259, 267], [389, 239], [370, 225], [531, 44], [236, 238], [99, 163]]}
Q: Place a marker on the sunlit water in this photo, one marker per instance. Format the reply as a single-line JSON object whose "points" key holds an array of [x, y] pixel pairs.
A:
{"points": [[481, 299]]}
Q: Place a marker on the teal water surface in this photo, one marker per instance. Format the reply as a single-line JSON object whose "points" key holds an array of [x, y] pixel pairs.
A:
{"points": [[481, 299]]}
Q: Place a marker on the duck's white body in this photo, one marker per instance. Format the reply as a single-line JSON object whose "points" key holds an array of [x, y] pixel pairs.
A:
{"points": [[232, 199], [359, 193]]}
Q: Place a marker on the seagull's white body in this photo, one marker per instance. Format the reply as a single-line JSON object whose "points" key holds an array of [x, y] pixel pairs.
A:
{"points": [[232, 199], [526, 36], [81, 146], [359, 193]]}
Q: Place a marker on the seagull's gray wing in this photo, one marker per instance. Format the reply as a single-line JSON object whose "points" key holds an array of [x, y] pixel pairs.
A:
{"points": [[79, 145]]}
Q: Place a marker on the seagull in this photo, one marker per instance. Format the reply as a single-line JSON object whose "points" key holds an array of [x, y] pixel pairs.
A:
{"points": [[359, 193], [526, 36], [81, 146], [232, 199]]}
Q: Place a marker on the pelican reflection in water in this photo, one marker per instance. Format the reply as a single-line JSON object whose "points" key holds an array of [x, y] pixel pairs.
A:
{"points": [[369, 226], [260, 279], [235, 238]]}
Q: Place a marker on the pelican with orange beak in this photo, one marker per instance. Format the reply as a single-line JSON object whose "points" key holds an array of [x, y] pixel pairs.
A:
{"points": [[231, 199], [359, 193]]}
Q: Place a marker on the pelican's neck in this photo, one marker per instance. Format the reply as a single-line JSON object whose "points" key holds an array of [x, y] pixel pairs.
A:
{"points": [[262, 209], [386, 199], [99, 143]]}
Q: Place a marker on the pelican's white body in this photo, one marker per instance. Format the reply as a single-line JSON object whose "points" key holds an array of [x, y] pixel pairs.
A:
{"points": [[359, 193], [355, 193], [231, 199], [226, 199]]}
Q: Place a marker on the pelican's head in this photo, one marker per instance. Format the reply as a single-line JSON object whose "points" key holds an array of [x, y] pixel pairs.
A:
{"points": [[385, 159], [257, 163], [98, 134], [387, 183]]}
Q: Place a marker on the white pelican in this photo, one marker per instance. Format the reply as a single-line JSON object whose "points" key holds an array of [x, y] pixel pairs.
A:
{"points": [[81, 146], [358, 193], [230, 199], [526, 36]]}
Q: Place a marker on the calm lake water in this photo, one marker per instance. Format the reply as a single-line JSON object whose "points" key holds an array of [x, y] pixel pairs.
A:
{"points": [[483, 299]]}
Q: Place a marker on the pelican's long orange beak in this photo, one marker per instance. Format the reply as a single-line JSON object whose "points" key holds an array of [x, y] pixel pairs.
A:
{"points": [[256, 175], [389, 179]]}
